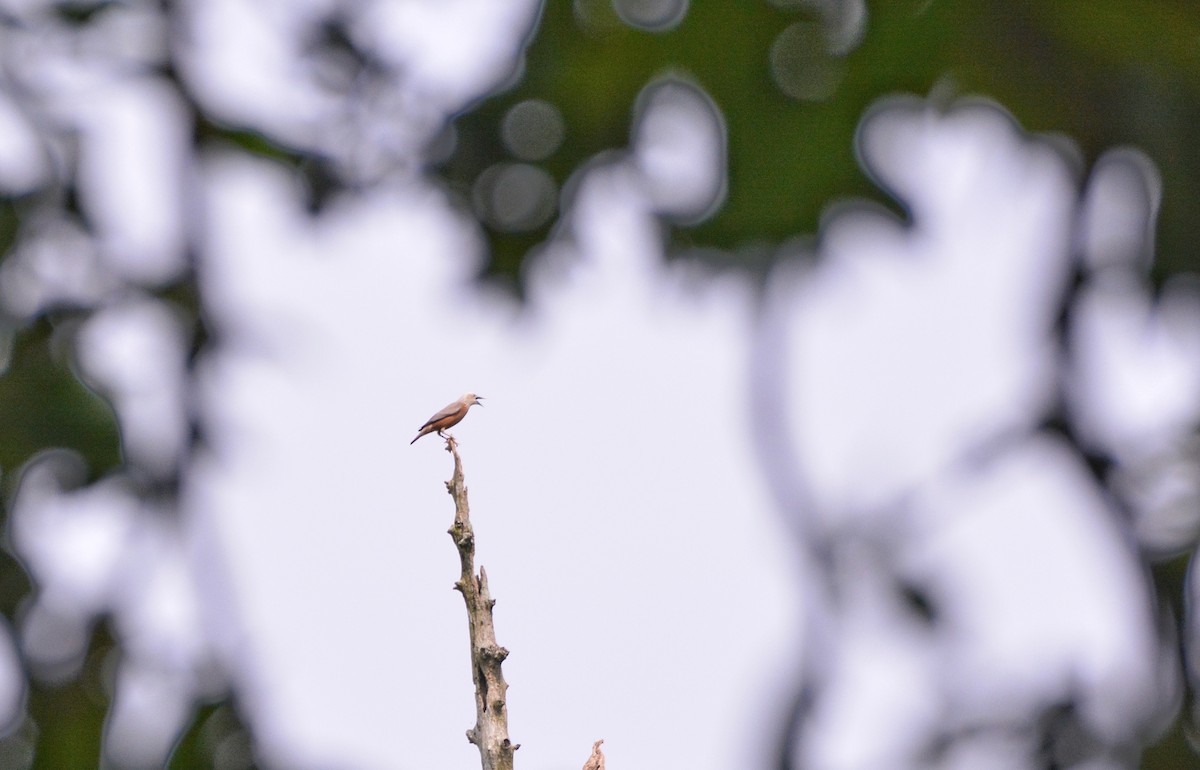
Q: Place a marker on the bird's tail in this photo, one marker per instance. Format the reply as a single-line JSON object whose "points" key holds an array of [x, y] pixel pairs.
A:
{"points": [[415, 439]]}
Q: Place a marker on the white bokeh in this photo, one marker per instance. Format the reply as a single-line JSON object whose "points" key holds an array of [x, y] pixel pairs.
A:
{"points": [[919, 362], [916, 342]]}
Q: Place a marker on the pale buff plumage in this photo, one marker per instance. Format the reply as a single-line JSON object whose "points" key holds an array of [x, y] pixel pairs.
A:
{"points": [[448, 417]]}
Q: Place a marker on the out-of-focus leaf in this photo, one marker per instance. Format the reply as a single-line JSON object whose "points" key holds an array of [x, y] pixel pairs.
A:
{"points": [[217, 738], [69, 719], [43, 405]]}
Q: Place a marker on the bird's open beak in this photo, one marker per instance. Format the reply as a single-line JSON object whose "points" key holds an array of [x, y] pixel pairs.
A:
{"points": [[479, 400]]}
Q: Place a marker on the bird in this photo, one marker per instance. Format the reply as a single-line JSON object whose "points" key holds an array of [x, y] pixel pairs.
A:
{"points": [[448, 417]]}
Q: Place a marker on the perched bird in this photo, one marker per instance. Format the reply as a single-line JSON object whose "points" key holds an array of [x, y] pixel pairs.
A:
{"points": [[450, 416]]}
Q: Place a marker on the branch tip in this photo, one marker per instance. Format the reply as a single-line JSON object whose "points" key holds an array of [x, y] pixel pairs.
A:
{"points": [[596, 760]]}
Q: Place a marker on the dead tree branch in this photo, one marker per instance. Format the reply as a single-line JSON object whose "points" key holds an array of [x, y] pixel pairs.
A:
{"points": [[490, 733]]}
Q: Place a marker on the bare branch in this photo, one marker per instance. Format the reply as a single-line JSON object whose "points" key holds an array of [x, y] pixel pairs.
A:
{"points": [[490, 733]]}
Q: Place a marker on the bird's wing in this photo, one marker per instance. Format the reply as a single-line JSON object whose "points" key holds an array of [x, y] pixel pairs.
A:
{"points": [[448, 410]]}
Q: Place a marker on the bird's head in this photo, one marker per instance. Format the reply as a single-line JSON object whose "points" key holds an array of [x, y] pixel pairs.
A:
{"points": [[471, 399]]}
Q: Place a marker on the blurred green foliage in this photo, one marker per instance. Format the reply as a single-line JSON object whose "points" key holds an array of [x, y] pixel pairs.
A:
{"points": [[47, 406], [1103, 73], [217, 738], [68, 717]]}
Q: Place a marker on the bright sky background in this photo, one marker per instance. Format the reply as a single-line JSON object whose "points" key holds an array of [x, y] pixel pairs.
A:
{"points": [[642, 579]]}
